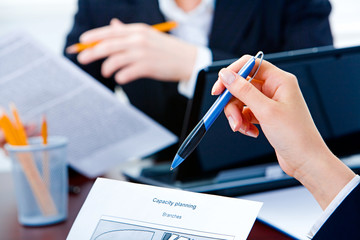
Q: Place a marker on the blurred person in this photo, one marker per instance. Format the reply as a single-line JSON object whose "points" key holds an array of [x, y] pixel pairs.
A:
{"points": [[158, 70]]}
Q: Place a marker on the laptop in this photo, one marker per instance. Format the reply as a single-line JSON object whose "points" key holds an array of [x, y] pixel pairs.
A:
{"points": [[231, 164]]}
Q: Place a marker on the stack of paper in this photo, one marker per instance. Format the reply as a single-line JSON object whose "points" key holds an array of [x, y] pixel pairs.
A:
{"points": [[101, 130]]}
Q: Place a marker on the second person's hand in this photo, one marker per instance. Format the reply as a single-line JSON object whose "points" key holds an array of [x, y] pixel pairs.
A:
{"points": [[137, 50]]}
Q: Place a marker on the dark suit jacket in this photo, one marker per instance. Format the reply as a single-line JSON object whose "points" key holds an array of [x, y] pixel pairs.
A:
{"points": [[239, 27], [344, 221]]}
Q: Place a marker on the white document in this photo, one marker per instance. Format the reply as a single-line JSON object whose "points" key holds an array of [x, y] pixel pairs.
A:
{"points": [[123, 210], [101, 130]]}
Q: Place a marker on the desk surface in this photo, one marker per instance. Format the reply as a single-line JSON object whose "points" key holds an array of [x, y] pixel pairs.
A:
{"points": [[11, 229]]}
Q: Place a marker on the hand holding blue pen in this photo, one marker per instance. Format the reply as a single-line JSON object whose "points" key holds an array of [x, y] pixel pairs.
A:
{"points": [[194, 138]]}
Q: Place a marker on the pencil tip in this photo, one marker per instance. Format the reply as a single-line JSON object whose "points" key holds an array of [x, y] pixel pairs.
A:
{"points": [[72, 49]]}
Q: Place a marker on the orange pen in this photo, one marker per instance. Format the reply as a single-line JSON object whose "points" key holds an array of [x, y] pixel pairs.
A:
{"points": [[78, 47]]}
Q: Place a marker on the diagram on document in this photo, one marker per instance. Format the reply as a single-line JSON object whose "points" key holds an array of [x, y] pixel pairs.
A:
{"points": [[111, 228]]}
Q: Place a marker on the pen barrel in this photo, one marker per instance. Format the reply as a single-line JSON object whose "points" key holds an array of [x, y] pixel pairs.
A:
{"points": [[191, 142], [216, 109], [194, 138], [225, 97], [246, 69]]}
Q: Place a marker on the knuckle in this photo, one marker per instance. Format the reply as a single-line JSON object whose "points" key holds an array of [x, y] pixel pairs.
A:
{"points": [[146, 69], [141, 40], [140, 54], [270, 110], [245, 57], [107, 48], [245, 88], [143, 29], [291, 77]]}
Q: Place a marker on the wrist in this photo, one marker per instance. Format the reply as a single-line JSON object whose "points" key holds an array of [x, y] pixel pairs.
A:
{"points": [[203, 59], [189, 53], [324, 175]]}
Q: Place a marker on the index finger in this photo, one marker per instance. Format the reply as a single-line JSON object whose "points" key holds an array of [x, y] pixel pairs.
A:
{"points": [[101, 33], [218, 87], [115, 29], [266, 70], [270, 75]]}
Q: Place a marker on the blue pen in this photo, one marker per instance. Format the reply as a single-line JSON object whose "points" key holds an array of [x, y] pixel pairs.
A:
{"points": [[212, 114]]}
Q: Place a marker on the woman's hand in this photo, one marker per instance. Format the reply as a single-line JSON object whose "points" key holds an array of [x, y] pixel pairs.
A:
{"points": [[274, 101], [137, 50]]}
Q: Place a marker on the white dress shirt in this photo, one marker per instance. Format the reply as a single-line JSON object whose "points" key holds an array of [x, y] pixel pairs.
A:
{"points": [[193, 27]]}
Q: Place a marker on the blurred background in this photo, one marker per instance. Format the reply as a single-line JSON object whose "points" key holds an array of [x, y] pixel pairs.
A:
{"points": [[50, 20]]}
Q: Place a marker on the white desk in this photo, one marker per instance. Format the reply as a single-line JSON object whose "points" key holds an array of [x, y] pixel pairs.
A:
{"points": [[291, 210]]}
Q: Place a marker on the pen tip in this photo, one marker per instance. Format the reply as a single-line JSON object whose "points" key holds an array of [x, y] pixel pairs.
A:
{"points": [[171, 168]]}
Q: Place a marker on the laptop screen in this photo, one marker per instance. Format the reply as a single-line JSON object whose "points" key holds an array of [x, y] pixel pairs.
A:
{"points": [[330, 82]]}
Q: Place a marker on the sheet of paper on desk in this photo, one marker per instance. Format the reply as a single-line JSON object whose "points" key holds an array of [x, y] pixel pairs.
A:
{"points": [[101, 130], [123, 210]]}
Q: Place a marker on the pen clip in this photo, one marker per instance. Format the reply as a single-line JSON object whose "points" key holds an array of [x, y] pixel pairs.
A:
{"points": [[261, 55]]}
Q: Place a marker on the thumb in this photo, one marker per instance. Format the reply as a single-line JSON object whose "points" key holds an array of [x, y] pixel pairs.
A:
{"points": [[243, 90]]}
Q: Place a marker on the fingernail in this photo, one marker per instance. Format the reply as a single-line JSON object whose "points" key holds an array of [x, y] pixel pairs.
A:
{"points": [[213, 90], [252, 133], [248, 131], [227, 76], [214, 87], [232, 123], [243, 129]]}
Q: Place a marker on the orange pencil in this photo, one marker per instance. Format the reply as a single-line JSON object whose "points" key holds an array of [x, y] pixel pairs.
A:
{"points": [[78, 47], [38, 187], [8, 128], [44, 132], [165, 26], [20, 130], [45, 160]]}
